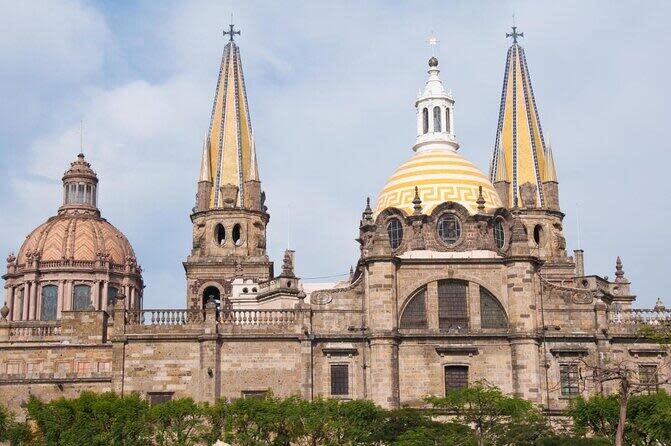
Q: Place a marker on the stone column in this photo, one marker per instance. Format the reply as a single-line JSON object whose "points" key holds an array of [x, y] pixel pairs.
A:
{"points": [[103, 301], [525, 365], [210, 367], [384, 383], [96, 294], [61, 294], [33, 301], [26, 301], [38, 301], [9, 299], [432, 306], [133, 298], [67, 295], [474, 318], [118, 339]]}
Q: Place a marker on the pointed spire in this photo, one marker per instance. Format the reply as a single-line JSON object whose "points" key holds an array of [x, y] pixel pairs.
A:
{"points": [[481, 200], [230, 141], [550, 169], [367, 214], [519, 135], [205, 173], [619, 271], [417, 203]]}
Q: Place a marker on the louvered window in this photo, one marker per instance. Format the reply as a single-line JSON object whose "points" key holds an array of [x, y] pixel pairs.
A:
{"points": [[491, 312], [414, 314], [452, 304]]}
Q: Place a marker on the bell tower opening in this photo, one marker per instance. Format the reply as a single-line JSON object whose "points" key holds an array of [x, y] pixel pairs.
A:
{"points": [[212, 294]]}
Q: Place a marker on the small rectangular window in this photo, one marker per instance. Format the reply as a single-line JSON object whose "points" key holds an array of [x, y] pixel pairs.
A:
{"points": [[648, 377], [159, 397], [456, 377], [339, 379], [260, 394], [568, 375]]}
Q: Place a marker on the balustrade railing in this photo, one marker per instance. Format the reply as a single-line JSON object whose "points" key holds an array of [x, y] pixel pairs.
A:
{"points": [[34, 330], [644, 316], [257, 317], [164, 317]]}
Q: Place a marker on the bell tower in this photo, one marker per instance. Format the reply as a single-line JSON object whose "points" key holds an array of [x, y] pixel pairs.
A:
{"points": [[523, 168], [230, 216]]}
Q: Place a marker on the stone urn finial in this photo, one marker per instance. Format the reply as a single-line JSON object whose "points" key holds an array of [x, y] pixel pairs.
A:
{"points": [[659, 305], [4, 311]]}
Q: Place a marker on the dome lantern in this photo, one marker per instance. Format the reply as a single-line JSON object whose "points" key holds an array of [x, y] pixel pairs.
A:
{"points": [[80, 186], [435, 114]]}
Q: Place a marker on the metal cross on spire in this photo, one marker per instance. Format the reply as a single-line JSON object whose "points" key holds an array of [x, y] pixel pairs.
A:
{"points": [[231, 33], [514, 34]]}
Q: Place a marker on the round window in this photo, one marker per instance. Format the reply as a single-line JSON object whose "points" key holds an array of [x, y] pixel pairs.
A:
{"points": [[449, 228], [499, 234], [395, 231]]}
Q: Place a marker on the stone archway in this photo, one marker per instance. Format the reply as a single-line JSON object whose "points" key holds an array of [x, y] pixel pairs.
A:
{"points": [[211, 294]]}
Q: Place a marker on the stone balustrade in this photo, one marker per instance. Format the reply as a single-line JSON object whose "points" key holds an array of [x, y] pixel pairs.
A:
{"points": [[29, 331], [640, 316], [257, 317], [168, 317]]}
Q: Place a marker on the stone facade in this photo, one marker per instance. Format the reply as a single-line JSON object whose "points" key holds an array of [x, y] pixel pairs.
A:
{"points": [[443, 294]]}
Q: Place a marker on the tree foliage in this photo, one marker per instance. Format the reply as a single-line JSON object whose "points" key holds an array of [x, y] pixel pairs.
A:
{"points": [[478, 415]]}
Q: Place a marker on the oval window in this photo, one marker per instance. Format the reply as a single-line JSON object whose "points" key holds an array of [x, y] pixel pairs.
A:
{"points": [[499, 234], [219, 234], [449, 228], [395, 231], [237, 235]]}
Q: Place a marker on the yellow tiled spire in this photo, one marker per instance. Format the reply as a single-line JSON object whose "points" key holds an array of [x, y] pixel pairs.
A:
{"points": [[230, 143], [520, 153]]}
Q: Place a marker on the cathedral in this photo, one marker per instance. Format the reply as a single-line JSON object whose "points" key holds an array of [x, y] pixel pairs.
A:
{"points": [[463, 276]]}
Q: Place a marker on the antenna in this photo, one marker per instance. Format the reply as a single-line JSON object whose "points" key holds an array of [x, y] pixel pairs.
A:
{"points": [[288, 225], [81, 136]]}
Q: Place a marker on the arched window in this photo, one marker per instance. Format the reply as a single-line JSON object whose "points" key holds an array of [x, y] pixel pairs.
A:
{"points": [[111, 295], [414, 314], [449, 228], [425, 120], [492, 314], [452, 304], [81, 297], [448, 127], [395, 231], [436, 119], [499, 234], [49, 302]]}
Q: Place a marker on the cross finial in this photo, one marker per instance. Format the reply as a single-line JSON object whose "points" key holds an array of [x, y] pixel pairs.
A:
{"points": [[514, 34], [231, 32], [433, 41]]}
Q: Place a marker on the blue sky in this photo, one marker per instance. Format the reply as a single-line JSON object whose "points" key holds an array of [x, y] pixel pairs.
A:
{"points": [[331, 87]]}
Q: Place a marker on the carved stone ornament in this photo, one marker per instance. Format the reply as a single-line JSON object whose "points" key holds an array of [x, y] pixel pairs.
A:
{"points": [[566, 293], [528, 194]]}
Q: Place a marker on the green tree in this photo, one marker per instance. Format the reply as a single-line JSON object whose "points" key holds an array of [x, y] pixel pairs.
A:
{"points": [[179, 422], [496, 418]]}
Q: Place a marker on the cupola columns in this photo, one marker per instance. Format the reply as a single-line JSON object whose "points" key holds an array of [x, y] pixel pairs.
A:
{"points": [[435, 115]]}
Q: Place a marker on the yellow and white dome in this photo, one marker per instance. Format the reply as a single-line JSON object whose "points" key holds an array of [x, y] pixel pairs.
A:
{"points": [[436, 169], [440, 176]]}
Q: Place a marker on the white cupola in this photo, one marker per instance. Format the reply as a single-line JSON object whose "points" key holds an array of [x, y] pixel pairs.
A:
{"points": [[435, 115]]}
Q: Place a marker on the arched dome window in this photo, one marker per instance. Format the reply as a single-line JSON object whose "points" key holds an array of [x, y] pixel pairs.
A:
{"points": [[449, 228], [81, 297], [395, 231], [448, 128], [220, 234], [499, 234], [425, 120], [49, 302], [492, 314], [414, 314], [436, 119], [237, 235], [112, 293]]}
